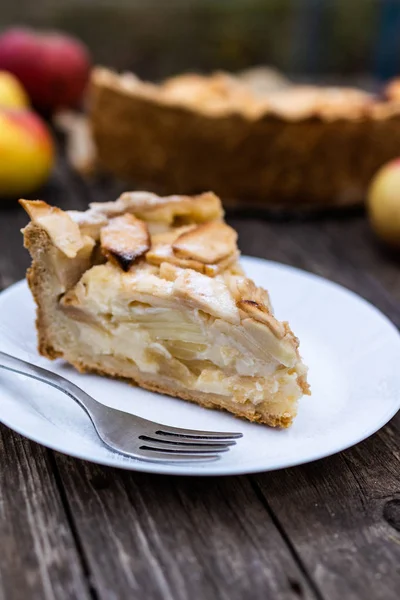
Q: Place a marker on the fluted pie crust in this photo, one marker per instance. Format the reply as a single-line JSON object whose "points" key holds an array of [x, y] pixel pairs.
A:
{"points": [[291, 146], [150, 289]]}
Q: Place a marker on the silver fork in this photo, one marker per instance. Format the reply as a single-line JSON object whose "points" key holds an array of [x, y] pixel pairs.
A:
{"points": [[128, 434]]}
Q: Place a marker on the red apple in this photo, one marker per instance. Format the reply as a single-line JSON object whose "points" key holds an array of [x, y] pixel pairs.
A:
{"points": [[53, 67], [26, 152]]}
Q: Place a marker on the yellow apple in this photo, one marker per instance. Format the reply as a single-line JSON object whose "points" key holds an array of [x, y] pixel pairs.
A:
{"points": [[26, 152], [383, 203], [12, 94]]}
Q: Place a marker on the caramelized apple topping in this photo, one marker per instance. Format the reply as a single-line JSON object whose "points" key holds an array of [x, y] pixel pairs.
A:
{"points": [[124, 240], [170, 210], [260, 313], [243, 288], [162, 251], [209, 243]]}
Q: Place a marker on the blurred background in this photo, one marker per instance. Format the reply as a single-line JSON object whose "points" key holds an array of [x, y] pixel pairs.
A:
{"points": [[156, 38], [334, 42]]}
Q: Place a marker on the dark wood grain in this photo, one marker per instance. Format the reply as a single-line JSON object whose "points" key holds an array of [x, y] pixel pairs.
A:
{"points": [[329, 530], [341, 516], [38, 556], [178, 538]]}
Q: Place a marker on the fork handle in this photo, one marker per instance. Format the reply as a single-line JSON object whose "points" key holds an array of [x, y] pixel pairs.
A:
{"points": [[11, 363]]}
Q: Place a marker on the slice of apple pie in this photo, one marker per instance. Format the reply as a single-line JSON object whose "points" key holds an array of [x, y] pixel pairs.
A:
{"points": [[150, 289]]}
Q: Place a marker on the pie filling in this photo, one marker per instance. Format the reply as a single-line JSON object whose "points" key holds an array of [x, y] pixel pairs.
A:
{"points": [[183, 320]]}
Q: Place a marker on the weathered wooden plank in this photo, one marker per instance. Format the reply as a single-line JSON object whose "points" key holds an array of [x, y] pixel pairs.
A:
{"points": [[342, 517], [177, 538], [38, 557]]}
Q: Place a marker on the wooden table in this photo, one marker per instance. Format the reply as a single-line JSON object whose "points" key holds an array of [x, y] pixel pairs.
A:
{"points": [[327, 530]]}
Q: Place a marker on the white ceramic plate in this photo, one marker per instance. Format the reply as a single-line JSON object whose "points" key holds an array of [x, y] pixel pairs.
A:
{"points": [[353, 354]]}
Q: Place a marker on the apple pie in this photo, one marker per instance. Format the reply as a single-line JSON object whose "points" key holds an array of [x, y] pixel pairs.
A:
{"points": [[150, 290], [255, 142]]}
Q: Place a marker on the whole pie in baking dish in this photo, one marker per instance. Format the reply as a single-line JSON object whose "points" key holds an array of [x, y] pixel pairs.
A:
{"points": [[150, 289], [253, 143]]}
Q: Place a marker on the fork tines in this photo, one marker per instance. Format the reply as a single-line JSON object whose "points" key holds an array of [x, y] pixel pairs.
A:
{"points": [[170, 443]]}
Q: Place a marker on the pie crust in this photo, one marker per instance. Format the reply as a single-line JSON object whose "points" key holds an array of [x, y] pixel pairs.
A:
{"points": [[256, 146]]}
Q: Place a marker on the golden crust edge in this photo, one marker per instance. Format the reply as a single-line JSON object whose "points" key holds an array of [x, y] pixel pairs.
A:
{"points": [[103, 78], [213, 401], [36, 237]]}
